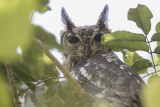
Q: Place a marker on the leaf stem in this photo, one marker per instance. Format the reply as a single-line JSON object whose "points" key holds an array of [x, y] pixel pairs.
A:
{"points": [[71, 80], [12, 82], [151, 53]]}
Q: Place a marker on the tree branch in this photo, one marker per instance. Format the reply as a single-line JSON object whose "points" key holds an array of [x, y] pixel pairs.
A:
{"points": [[71, 80], [12, 82], [39, 82]]}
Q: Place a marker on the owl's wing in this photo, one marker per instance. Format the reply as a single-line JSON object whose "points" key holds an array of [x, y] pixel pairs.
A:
{"points": [[106, 77]]}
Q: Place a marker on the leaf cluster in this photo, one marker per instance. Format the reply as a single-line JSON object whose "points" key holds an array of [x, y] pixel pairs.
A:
{"points": [[129, 43]]}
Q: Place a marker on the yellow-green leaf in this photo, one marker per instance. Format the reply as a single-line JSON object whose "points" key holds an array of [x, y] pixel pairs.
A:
{"points": [[5, 99], [131, 57], [125, 40], [122, 36], [15, 27], [151, 93], [152, 78], [156, 37], [141, 65], [141, 16]]}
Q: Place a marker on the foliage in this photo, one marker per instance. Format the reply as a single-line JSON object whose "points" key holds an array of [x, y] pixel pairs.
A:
{"points": [[6, 99], [15, 26], [151, 93], [128, 43], [38, 78]]}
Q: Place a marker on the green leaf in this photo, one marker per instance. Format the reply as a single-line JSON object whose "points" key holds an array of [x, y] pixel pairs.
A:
{"points": [[152, 78], [15, 28], [38, 97], [21, 73], [36, 64], [125, 40], [130, 57], [141, 16], [43, 6], [32, 59], [141, 65], [156, 37], [151, 93], [158, 61], [48, 39], [158, 27], [157, 50]]}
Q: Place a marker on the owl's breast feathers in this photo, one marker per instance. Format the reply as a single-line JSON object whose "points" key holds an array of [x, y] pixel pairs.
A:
{"points": [[106, 77]]}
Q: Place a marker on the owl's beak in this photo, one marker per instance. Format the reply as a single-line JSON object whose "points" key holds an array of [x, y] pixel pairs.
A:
{"points": [[87, 50]]}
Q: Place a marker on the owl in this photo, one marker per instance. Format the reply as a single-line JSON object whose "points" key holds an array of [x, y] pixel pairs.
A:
{"points": [[98, 70]]}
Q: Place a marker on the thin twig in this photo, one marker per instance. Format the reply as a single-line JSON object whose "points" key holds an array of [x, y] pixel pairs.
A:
{"points": [[39, 82], [12, 83], [151, 55], [71, 80], [151, 73]]}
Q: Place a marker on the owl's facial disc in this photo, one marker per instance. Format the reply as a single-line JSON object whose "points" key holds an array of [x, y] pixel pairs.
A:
{"points": [[87, 50]]}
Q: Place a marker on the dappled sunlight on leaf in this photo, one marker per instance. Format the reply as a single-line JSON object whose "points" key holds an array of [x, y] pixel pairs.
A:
{"points": [[131, 57]]}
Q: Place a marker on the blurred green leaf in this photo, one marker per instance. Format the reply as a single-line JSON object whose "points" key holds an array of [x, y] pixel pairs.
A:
{"points": [[38, 97], [125, 40], [15, 28], [141, 16], [48, 39], [34, 65], [23, 75], [157, 50], [158, 27], [152, 78], [32, 59], [158, 61], [151, 93], [58, 94], [131, 57], [141, 65], [156, 37], [43, 6], [5, 99]]}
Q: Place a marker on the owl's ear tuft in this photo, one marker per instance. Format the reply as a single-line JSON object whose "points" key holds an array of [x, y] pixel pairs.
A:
{"points": [[66, 20], [103, 18]]}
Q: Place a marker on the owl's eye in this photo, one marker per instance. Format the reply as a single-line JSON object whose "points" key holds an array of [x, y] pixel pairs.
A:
{"points": [[73, 39], [98, 37]]}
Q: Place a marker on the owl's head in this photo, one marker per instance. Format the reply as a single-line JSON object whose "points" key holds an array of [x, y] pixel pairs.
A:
{"points": [[81, 42]]}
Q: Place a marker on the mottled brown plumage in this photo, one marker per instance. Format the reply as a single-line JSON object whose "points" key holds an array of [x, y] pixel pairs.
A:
{"points": [[98, 70]]}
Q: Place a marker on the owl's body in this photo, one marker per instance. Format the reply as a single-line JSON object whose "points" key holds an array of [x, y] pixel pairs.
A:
{"points": [[98, 70]]}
